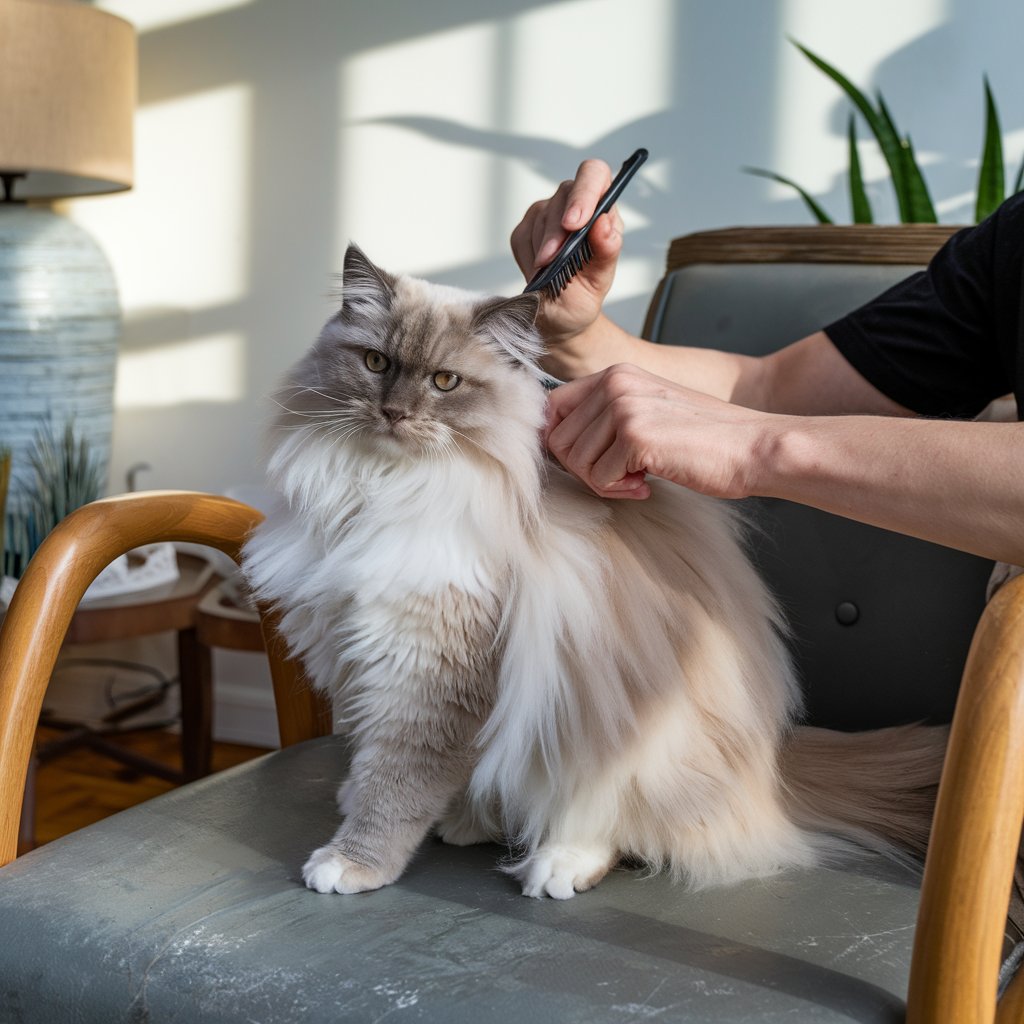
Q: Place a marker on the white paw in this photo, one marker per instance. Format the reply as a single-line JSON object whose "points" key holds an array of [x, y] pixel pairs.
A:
{"points": [[562, 871], [330, 871]]}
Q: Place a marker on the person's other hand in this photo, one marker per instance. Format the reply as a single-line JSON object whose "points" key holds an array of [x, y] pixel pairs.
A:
{"points": [[615, 427]]}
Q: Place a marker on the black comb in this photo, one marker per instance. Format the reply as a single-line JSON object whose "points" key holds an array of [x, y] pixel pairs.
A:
{"points": [[576, 251]]}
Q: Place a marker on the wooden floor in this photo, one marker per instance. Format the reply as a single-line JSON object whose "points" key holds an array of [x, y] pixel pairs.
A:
{"points": [[81, 787]]}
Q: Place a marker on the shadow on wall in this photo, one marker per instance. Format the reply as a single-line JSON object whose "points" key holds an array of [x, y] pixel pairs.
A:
{"points": [[291, 64], [720, 109], [943, 113]]}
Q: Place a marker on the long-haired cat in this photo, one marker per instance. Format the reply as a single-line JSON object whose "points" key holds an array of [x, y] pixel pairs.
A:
{"points": [[512, 656]]}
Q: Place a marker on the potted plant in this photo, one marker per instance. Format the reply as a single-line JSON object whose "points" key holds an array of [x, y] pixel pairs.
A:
{"points": [[911, 243], [909, 186]]}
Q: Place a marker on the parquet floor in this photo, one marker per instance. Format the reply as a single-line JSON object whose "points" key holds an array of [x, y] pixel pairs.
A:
{"points": [[81, 786]]}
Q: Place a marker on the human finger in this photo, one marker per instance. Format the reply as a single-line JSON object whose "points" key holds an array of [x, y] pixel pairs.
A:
{"points": [[596, 456], [524, 238], [591, 182], [567, 397], [617, 466], [548, 233], [605, 241], [569, 208], [584, 428]]}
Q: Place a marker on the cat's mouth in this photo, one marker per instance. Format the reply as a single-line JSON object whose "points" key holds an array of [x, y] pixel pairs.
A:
{"points": [[412, 436], [401, 432]]}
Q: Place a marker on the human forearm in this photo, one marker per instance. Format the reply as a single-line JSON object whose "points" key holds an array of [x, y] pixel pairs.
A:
{"points": [[724, 375], [952, 482]]}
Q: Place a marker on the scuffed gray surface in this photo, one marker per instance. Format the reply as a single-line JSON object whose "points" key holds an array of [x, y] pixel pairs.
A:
{"points": [[190, 909]]}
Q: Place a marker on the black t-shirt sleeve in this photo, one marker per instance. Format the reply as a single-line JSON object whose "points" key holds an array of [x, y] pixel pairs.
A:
{"points": [[929, 342]]}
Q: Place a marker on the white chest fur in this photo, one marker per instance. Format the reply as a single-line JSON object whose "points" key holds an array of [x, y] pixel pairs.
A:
{"points": [[367, 554]]}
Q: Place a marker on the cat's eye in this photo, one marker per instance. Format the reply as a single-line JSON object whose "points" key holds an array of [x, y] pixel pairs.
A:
{"points": [[446, 381], [376, 361]]}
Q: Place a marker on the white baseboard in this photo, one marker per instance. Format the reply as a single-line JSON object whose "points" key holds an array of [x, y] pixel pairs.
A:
{"points": [[243, 700]]}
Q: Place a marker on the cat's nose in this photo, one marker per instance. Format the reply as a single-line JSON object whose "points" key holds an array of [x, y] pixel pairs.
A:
{"points": [[394, 414]]}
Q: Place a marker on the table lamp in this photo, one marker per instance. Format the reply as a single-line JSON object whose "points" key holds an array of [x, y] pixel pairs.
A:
{"points": [[67, 96]]}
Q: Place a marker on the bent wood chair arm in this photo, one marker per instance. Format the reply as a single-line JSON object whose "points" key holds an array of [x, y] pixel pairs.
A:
{"points": [[976, 832], [70, 558]]}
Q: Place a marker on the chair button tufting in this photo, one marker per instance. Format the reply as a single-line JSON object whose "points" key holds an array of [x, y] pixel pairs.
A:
{"points": [[847, 613]]}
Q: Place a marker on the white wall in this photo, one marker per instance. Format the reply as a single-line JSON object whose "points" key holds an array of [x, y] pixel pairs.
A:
{"points": [[270, 132]]}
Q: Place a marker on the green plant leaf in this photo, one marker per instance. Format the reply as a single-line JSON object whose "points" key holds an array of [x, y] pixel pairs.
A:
{"points": [[816, 210], [919, 202], [879, 122], [991, 183], [900, 184], [860, 207]]}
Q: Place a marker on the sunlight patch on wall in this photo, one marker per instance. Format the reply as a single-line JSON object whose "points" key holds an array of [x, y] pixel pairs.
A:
{"points": [[154, 14], [414, 150], [200, 370], [568, 89], [196, 152], [183, 230]]}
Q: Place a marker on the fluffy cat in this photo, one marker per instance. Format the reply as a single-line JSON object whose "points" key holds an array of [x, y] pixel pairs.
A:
{"points": [[514, 657]]}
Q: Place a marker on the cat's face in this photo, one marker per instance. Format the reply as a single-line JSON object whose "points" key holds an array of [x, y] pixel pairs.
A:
{"points": [[416, 369]]}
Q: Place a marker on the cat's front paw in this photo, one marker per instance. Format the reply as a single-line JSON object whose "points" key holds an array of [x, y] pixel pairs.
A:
{"points": [[561, 871], [327, 870]]}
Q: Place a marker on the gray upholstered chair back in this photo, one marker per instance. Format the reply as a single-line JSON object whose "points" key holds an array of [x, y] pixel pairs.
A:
{"points": [[881, 622]]}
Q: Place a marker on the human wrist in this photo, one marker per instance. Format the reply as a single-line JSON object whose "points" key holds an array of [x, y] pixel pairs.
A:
{"points": [[575, 354], [783, 456]]}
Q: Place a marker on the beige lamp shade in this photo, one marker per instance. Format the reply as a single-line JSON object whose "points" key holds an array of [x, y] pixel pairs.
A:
{"points": [[67, 96]]}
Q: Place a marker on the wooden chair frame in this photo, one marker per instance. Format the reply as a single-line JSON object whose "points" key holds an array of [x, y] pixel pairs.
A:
{"points": [[70, 558], [980, 808]]}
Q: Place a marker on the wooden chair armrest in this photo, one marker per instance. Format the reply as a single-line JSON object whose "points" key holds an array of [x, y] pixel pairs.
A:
{"points": [[976, 831], [70, 558]]}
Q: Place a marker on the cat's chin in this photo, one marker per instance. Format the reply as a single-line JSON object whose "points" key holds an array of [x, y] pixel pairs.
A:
{"points": [[405, 443], [396, 446]]}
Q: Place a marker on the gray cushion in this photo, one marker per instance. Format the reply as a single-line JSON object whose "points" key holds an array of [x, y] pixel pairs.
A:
{"points": [[915, 605], [759, 307], [190, 908]]}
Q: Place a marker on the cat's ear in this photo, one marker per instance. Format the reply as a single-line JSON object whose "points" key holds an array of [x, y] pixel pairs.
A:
{"points": [[366, 289], [510, 322]]}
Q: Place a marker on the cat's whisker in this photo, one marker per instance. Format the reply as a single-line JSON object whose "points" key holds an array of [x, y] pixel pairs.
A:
{"points": [[466, 437], [306, 389], [442, 447], [342, 433], [308, 414]]}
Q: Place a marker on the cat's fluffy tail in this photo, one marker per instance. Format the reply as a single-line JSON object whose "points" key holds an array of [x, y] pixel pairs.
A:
{"points": [[877, 788]]}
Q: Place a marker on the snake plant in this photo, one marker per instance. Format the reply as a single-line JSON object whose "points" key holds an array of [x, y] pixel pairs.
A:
{"points": [[912, 198], [67, 474]]}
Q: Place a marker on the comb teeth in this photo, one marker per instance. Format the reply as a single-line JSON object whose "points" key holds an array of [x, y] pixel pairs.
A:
{"points": [[574, 263]]}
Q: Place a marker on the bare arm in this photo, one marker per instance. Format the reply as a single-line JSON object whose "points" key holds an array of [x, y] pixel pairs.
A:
{"points": [[807, 377], [953, 482]]}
